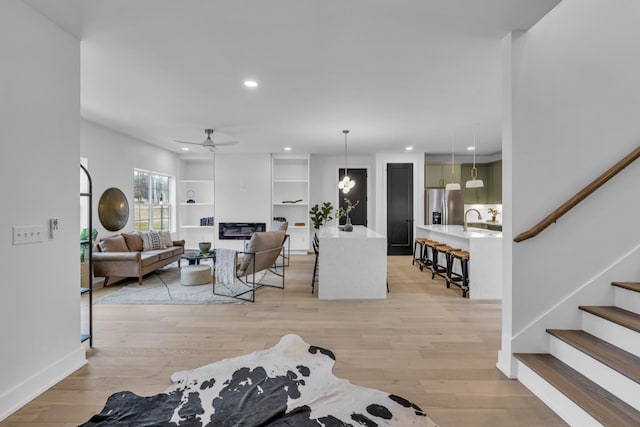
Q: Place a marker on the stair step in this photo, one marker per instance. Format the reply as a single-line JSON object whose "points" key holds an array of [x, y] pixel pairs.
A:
{"points": [[631, 286], [598, 402], [626, 295], [625, 318], [614, 357]]}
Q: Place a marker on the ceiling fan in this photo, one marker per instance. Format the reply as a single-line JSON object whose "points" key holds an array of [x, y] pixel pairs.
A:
{"points": [[208, 142]]}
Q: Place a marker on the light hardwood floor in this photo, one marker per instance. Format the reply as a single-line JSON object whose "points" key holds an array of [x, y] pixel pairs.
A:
{"points": [[424, 342]]}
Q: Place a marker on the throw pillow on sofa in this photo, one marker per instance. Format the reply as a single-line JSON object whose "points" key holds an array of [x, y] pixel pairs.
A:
{"points": [[133, 241], [151, 240], [114, 244], [166, 239]]}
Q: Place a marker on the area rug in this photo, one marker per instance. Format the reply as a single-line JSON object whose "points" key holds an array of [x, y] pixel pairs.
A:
{"points": [[290, 384], [163, 287]]}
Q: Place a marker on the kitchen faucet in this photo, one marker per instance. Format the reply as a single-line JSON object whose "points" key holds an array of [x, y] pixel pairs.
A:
{"points": [[465, 217]]}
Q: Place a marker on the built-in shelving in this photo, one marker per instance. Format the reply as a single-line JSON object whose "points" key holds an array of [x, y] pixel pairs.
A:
{"points": [[195, 200], [290, 183]]}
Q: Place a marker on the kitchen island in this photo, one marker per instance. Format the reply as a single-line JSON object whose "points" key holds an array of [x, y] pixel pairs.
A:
{"points": [[485, 256], [353, 264]]}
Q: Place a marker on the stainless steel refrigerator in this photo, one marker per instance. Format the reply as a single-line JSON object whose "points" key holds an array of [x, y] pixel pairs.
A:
{"points": [[443, 206]]}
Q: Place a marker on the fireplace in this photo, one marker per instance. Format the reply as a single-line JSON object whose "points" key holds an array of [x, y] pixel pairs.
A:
{"points": [[239, 230]]}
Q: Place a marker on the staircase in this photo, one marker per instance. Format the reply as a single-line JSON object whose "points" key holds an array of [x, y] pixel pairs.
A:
{"points": [[591, 377]]}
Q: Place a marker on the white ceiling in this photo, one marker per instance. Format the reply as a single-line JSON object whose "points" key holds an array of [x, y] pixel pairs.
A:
{"points": [[394, 72]]}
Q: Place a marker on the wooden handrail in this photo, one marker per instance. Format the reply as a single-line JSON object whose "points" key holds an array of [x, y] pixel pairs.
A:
{"points": [[580, 196]]}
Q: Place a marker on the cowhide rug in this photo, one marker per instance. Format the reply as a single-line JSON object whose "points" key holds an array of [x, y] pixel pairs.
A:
{"points": [[290, 384]]}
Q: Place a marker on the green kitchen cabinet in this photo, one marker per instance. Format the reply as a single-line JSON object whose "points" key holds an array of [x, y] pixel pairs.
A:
{"points": [[439, 174], [471, 195], [495, 182], [475, 195]]}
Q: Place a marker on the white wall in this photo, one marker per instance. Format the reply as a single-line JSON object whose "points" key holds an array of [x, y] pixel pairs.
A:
{"points": [[324, 181], [505, 358], [243, 191], [39, 160], [575, 98], [112, 157], [381, 161]]}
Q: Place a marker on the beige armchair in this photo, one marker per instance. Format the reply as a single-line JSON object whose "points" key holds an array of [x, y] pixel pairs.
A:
{"points": [[262, 251], [283, 225]]}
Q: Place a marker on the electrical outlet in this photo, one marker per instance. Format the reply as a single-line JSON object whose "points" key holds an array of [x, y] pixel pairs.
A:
{"points": [[23, 234]]}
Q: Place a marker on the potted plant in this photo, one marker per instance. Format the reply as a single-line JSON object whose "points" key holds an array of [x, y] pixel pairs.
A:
{"points": [[344, 212], [85, 241], [494, 213], [321, 214]]}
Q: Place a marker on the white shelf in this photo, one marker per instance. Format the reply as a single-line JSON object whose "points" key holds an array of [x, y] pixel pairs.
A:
{"points": [[195, 174], [290, 181]]}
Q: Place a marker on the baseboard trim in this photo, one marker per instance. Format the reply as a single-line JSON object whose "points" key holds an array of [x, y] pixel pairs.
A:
{"points": [[506, 363], [40, 382]]}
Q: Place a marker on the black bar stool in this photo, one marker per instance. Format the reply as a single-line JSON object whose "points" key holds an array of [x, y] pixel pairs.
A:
{"points": [[460, 279], [431, 245], [418, 247], [316, 249], [428, 247], [437, 267]]}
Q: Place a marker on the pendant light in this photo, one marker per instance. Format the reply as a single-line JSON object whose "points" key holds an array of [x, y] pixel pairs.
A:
{"points": [[452, 185], [346, 184], [474, 182]]}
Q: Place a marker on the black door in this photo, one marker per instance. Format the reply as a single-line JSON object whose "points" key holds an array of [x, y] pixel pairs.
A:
{"points": [[359, 214], [399, 208]]}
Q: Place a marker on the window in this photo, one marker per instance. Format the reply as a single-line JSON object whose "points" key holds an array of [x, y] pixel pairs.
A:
{"points": [[152, 201]]}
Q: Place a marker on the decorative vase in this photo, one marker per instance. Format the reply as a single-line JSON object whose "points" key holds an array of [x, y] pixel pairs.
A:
{"points": [[348, 226], [204, 246], [493, 218]]}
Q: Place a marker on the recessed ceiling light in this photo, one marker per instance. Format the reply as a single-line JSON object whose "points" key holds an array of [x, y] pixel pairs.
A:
{"points": [[471, 148], [409, 148], [251, 83], [287, 148], [185, 149]]}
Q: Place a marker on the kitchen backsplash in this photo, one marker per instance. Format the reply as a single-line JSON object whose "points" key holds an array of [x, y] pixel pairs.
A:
{"points": [[484, 210]]}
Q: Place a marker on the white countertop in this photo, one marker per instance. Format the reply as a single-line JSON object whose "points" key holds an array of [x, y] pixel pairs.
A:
{"points": [[485, 251], [457, 231], [359, 232]]}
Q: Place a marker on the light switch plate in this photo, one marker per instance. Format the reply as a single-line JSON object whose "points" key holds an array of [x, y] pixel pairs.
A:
{"points": [[23, 234], [54, 226]]}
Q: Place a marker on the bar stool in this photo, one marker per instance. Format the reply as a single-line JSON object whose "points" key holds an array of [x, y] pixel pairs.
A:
{"points": [[462, 277], [426, 260], [436, 267], [431, 245], [316, 250], [418, 246]]}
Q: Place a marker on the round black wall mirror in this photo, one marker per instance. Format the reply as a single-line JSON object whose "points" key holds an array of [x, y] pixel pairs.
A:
{"points": [[113, 209]]}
